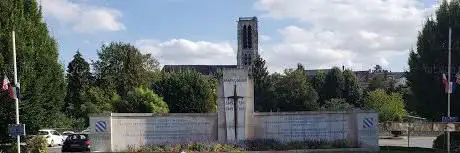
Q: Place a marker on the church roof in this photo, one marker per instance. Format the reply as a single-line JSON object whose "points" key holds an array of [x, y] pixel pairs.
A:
{"points": [[203, 69]]}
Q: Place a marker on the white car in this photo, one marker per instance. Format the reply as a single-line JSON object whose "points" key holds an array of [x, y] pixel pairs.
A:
{"points": [[52, 137]]}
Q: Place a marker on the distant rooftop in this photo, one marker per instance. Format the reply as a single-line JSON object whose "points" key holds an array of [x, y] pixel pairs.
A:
{"points": [[203, 69]]}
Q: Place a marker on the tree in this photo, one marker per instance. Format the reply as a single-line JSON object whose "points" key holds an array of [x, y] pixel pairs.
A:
{"points": [[187, 91], [40, 74], [377, 82], [318, 82], [336, 104], [122, 67], [263, 88], [78, 78], [352, 91], [142, 100], [334, 84], [428, 61], [389, 106], [294, 92]]}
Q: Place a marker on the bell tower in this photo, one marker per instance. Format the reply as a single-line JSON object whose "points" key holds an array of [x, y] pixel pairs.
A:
{"points": [[248, 42]]}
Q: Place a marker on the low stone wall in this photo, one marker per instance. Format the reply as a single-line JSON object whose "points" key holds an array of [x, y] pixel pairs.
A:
{"points": [[120, 131], [417, 129]]}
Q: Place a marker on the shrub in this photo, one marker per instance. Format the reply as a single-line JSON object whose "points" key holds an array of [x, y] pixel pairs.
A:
{"points": [[440, 141], [246, 145], [37, 144]]}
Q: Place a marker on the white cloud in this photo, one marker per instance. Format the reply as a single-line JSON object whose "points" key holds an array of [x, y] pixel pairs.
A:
{"points": [[355, 33], [184, 52], [83, 18]]}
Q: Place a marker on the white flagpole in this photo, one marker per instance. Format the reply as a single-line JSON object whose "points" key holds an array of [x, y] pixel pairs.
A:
{"points": [[16, 97], [448, 94]]}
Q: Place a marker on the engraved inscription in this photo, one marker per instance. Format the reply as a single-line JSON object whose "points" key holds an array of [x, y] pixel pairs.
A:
{"points": [[159, 130], [299, 127]]}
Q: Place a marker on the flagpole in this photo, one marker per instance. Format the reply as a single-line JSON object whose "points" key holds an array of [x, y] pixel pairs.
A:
{"points": [[448, 93], [16, 97]]}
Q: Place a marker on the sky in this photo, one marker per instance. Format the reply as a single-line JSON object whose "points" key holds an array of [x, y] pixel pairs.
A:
{"points": [[357, 34]]}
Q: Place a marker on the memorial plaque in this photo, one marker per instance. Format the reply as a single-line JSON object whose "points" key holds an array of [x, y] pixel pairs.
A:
{"points": [[301, 127], [162, 130]]}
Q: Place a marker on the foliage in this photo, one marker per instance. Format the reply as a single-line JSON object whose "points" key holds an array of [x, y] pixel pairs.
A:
{"points": [[122, 67], [246, 145], [187, 91], [389, 106], [142, 100], [440, 142], [263, 88], [37, 144], [193, 147], [428, 61], [294, 92], [352, 91], [334, 84], [318, 82], [78, 78], [40, 74], [336, 104]]}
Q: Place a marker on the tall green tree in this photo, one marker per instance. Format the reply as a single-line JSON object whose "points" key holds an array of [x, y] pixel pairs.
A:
{"points": [[187, 91], [352, 91], [295, 93], [122, 67], [263, 88], [428, 62], [40, 74], [334, 84], [318, 82], [78, 82]]}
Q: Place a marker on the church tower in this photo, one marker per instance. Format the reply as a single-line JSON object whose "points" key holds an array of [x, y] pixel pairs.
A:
{"points": [[248, 42]]}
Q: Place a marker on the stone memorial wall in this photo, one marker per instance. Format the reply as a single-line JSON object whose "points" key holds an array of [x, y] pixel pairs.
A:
{"points": [[131, 130], [288, 126], [234, 121]]}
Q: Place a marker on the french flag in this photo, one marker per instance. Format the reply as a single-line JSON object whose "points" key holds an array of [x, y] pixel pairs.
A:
{"points": [[445, 83]]}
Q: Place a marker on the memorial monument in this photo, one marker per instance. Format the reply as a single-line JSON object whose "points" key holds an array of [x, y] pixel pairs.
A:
{"points": [[235, 119]]}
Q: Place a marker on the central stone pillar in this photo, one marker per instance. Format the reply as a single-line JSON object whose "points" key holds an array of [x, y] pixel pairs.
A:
{"points": [[236, 106]]}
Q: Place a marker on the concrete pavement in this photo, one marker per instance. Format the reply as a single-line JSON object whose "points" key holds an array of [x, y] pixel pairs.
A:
{"points": [[422, 142]]}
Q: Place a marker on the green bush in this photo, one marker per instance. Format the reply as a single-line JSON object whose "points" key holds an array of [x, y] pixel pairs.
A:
{"points": [[37, 144], [440, 141], [246, 145]]}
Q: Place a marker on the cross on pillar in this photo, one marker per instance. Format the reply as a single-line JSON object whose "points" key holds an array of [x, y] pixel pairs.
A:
{"points": [[235, 98]]}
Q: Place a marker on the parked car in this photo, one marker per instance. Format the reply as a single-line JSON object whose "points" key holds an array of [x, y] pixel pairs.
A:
{"points": [[66, 133], [78, 142], [52, 137]]}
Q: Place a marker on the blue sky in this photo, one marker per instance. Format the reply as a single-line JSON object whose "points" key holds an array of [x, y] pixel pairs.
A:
{"points": [[317, 33]]}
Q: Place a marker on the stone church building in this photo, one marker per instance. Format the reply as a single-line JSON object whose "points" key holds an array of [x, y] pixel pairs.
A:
{"points": [[248, 48]]}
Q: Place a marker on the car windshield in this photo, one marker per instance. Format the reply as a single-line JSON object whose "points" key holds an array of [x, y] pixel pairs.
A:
{"points": [[42, 132]]}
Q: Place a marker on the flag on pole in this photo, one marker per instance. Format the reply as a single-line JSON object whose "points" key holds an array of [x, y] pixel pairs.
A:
{"points": [[451, 87], [5, 83], [445, 83], [12, 91]]}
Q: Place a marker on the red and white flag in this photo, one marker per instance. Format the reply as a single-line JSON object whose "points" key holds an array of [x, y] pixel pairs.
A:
{"points": [[445, 83], [5, 83]]}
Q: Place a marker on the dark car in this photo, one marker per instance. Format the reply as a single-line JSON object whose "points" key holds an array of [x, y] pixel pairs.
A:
{"points": [[77, 142]]}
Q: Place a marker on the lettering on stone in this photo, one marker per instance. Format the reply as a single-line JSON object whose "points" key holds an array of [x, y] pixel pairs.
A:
{"points": [[157, 130], [301, 127]]}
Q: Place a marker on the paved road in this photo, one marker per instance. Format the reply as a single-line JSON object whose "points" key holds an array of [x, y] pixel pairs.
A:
{"points": [[422, 142]]}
